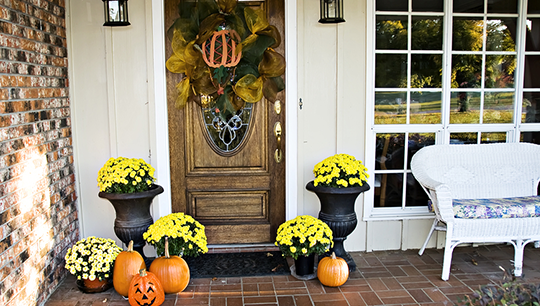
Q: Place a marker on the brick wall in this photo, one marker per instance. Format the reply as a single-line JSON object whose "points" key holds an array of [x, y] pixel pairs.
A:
{"points": [[38, 211]]}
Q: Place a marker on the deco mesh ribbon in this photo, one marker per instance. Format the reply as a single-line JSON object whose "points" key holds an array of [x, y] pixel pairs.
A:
{"points": [[241, 39]]}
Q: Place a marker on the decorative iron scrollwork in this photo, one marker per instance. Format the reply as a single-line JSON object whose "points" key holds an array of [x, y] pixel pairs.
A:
{"points": [[227, 135]]}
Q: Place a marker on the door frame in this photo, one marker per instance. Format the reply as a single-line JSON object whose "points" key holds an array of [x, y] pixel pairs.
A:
{"points": [[158, 120]]}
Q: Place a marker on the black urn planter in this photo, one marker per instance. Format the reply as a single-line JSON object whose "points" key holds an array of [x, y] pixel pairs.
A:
{"points": [[337, 210], [133, 215]]}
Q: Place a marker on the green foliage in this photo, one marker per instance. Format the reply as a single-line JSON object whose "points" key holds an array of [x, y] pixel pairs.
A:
{"points": [[511, 293], [426, 69]]}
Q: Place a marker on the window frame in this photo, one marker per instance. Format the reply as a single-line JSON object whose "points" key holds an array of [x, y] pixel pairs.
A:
{"points": [[444, 129]]}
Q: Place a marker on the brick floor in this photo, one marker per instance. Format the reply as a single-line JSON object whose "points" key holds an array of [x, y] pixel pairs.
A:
{"points": [[382, 278]]}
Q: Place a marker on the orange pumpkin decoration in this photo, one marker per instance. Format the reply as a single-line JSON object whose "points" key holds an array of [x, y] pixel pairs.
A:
{"points": [[172, 271], [333, 271], [127, 264], [145, 290], [220, 49]]}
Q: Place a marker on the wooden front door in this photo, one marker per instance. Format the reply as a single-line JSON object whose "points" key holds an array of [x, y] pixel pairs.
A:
{"points": [[238, 193]]}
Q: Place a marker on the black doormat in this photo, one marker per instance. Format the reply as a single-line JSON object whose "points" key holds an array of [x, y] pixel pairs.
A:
{"points": [[238, 264]]}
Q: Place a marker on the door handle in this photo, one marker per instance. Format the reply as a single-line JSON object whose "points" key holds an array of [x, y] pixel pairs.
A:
{"points": [[278, 153]]}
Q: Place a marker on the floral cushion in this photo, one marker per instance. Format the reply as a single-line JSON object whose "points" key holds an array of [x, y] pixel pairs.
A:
{"points": [[518, 207]]}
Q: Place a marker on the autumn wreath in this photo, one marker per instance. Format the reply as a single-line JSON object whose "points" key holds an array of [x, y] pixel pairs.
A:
{"points": [[226, 52]]}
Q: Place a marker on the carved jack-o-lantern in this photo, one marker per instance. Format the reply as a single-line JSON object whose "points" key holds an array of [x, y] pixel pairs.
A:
{"points": [[220, 49], [145, 290]]}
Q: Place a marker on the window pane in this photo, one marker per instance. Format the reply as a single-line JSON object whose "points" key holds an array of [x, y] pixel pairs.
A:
{"points": [[501, 34], [427, 5], [427, 33], [416, 142], [392, 5], [533, 7], [498, 107], [503, 6], [391, 32], [530, 137], [464, 107], [390, 107], [533, 35], [388, 190], [464, 138], [493, 137], [466, 71], [425, 107], [532, 67], [531, 107], [389, 155], [500, 71], [391, 70], [467, 33], [426, 70], [468, 6], [416, 196]]}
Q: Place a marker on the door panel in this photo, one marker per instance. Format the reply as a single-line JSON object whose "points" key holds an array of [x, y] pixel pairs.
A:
{"points": [[239, 196]]}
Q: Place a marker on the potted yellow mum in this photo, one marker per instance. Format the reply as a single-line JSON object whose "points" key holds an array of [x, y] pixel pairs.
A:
{"points": [[186, 235], [339, 179], [301, 238], [91, 260], [129, 184]]}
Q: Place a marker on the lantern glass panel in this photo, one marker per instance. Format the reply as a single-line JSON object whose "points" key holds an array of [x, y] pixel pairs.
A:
{"points": [[114, 11], [330, 9]]}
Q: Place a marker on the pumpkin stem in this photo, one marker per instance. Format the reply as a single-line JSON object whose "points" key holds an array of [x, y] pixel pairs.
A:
{"points": [[130, 246], [333, 255], [167, 247], [142, 272]]}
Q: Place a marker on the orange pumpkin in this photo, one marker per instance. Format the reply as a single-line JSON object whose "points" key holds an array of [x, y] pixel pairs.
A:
{"points": [[172, 271], [220, 49], [333, 271], [127, 264], [145, 290]]}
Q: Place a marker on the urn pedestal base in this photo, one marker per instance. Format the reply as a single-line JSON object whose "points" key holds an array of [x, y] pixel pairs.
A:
{"points": [[337, 210], [133, 216]]}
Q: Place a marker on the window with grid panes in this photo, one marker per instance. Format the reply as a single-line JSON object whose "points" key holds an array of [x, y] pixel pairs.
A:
{"points": [[454, 71]]}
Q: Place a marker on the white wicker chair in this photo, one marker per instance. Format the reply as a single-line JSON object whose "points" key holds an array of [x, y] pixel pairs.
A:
{"points": [[482, 171]]}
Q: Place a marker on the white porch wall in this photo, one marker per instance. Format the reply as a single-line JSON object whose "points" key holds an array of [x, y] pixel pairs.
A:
{"points": [[109, 99], [116, 108]]}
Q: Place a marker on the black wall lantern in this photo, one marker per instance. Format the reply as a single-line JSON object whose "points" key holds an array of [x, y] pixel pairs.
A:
{"points": [[116, 13], [331, 11]]}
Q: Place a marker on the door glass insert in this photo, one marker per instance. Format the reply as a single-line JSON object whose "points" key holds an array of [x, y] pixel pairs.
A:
{"points": [[227, 135]]}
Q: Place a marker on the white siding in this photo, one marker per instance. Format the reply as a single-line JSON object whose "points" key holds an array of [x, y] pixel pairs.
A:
{"points": [[108, 91], [114, 112]]}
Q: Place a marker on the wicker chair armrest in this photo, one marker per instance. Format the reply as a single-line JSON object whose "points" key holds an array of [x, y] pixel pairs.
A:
{"points": [[442, 203]]}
